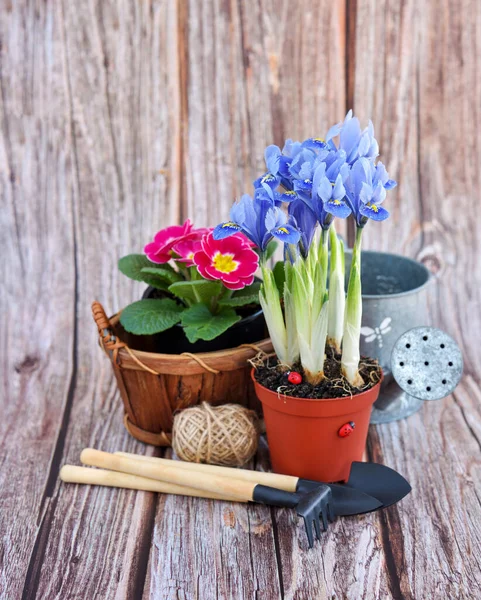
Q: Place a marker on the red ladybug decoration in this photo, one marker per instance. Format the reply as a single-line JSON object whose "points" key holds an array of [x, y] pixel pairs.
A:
{"points": [[294, 377], [346, 429]]}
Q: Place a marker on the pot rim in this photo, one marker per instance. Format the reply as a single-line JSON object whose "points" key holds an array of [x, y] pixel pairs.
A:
{"points": [[176, 364], [429, 275], [331, 402]]}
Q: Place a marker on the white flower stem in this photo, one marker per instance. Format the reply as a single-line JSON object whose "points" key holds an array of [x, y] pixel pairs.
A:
{"points": [[271, 305], [324, 253], [352, 329], [337, 293]]}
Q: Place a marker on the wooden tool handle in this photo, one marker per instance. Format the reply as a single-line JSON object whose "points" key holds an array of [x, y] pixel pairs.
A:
{"points": [[72, 474], [281, 482], [234, 488]]}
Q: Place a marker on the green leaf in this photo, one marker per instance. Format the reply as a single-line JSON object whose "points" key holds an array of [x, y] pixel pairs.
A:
{"points": [[196, 291], [132, 266], [279, 276], [146, 317], [165, 275], [139, 268], [271, 248], [200, 324], [248, 295], [155, 282]]}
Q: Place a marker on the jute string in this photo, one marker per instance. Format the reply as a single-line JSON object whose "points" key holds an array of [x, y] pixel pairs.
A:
{"points": [[112, 344], [222, 435]]}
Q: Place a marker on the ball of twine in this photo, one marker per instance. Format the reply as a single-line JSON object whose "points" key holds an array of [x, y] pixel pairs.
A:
{"points": [[222, 435]]}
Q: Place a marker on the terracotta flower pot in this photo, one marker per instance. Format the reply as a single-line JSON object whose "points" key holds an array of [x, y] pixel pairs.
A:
{"points": [[305, 437]]}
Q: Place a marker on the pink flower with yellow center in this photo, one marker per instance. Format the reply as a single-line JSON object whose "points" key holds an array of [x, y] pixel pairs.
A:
{"points": [[185, 250], [160, 250], [230, 260]]}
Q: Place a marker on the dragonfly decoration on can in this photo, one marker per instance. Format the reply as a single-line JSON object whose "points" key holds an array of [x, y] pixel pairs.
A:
{"points": [[378, 332]]}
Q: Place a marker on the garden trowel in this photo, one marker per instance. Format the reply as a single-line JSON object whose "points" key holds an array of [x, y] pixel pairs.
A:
{"points": [[379, 481], [346, 500]]}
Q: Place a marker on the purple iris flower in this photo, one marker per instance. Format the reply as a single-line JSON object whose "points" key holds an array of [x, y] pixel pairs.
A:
{"points": [[327, 199], [357, 143], [306, 222], [278, 162], [269, 183], [335, 161], [382, 176], [365, 191], [302, 170], [260, 220], [318, 145]]}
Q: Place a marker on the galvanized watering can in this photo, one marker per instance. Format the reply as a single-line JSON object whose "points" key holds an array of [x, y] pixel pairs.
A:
{"points": [[394, 293]]}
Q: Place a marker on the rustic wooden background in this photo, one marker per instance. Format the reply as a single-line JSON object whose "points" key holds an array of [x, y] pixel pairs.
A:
{"points": [[122, 116]]}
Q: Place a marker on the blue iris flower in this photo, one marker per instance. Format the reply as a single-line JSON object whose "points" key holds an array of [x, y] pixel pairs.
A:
{"points": [[382, 176], [320, 180], [327, 199], [336, 164], [318, 145], [302, 170], [357, 143], [306, 222], [269, 183], [366, 191], [278, 163], [260, 220]]}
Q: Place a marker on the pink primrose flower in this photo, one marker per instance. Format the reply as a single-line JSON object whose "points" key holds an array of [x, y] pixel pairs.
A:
{"points": [[231, 260], [160, 250]]}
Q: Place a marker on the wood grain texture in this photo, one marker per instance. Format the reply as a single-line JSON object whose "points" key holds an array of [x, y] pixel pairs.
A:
{"points": [[213, 549], [256, 74], [118, 118], [423, 90], [84, 94]]}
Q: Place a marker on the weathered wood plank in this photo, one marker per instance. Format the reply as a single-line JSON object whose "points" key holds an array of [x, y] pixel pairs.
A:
{"points": [[88, 105], [38, 327], [213, 549], [118, 118], [121, 69], [431, 539], [256, 74]]}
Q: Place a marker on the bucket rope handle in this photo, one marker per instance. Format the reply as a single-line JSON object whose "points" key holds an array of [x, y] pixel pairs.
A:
{"points": [[254, 347], [110, 341], [211, 369], [203, 364], [112, 344]]}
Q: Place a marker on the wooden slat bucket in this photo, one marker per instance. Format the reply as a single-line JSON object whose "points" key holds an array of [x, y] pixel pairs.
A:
{"points": [[153, 386]]}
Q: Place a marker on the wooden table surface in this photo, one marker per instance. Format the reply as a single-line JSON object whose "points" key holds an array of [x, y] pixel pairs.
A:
{"points": [[118, 118]]}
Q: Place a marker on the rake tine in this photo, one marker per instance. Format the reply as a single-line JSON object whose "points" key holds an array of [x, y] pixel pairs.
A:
{"points": [[310, 537], [331, 513], [317, 527], [324, 520]]}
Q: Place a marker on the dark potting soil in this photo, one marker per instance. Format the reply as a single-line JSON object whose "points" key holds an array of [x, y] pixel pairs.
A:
{"points": [[249, 330], [334, 385]]}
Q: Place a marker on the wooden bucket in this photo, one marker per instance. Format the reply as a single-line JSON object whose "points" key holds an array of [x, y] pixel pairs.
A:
{"points": [[153, 386]]}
